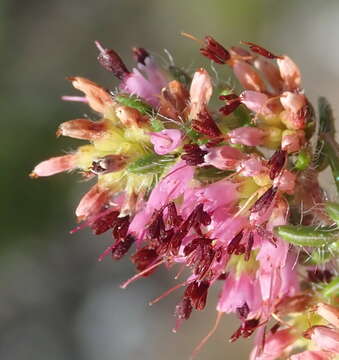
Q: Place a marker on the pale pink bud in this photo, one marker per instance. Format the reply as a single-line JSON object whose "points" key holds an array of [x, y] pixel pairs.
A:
{"points": [[166, 141], [292, 141], [97, 96], [326, 338], [290, 73], [255, 101], [312, 355], [91, 203], [292, 102], [200, 92], [271, 72], [285, 182], [247, 135], [83, 129], [329, 313], [248, 77], [54, 166], [224, 157], [251, 166]]}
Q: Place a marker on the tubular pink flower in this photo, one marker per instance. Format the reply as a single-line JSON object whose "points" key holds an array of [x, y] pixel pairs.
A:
{"points": [[326, 338], [255, 101], [240, 290], [200, 92], [224, 157], [165, 141], [292, 102], [247, 135], [275, 346], [248, 77], [91, 203], [54, 166], [145, 82], [290, 73]]}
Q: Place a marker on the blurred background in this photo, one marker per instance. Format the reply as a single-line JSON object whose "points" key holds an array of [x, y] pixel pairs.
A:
{"points": [[56, 301]]}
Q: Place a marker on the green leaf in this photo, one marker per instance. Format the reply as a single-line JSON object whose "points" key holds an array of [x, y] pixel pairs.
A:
{"points": [[312, 236], [332, 210], [157, 125]]}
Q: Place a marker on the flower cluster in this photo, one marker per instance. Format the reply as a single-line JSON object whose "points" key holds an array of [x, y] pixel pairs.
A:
{"points": [[229, 194]]}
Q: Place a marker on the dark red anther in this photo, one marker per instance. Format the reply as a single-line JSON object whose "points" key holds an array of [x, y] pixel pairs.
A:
{"points": [[104, 223], [317, 276], [120, 227], [140, 54], [189, 248], [261, 51], [173, 218], [249, 246], [265, 200], [184, 309], [193, 154], [206, 125], [197, 293], [215, 51], [245, 330], [234, 243], [112, 62], [275, 328], [232, 102], [240, 249], [243, 311], [157, 226], [276, 163], [121, 247], [143, 258]]}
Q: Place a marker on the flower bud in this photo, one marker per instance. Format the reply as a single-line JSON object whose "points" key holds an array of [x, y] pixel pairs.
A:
{"points": [[200, 92], [83, 129], [248, 77], [99, 99], [292, 102], [91, 203], [54, 166], [292, 141], [290, 73]]}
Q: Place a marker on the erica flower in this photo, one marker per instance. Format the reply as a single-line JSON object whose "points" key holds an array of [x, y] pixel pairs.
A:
{"points": [[231, 193]]}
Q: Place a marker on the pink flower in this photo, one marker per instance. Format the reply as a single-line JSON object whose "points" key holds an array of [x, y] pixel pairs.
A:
{"points": [[255, 101], [247, 76], [286, 181], [275, 346], [312, 355], [251, 166], [292, 101], [224, 157], [91, 203], [166, 141], [247, 135], [239, 290], [327, 339], [200, 92], [54, 166], [290, 73], [145, 82]]}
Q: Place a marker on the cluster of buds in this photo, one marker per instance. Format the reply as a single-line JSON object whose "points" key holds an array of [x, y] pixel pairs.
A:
{"points": [[230, 195]]}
